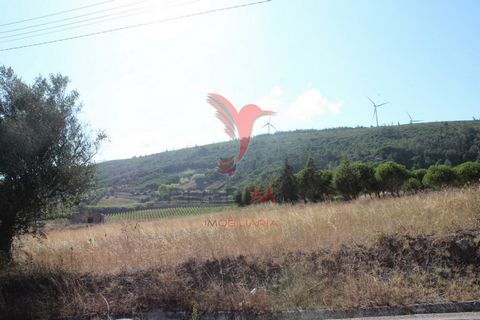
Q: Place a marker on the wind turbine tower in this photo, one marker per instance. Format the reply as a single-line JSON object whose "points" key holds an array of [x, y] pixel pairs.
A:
{"points": [[412, 121], [269, 125], [375, 106]]}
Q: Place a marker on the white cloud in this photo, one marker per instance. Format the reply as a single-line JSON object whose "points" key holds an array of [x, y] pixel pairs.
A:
{"points": [[273, 100], [310, 104]]}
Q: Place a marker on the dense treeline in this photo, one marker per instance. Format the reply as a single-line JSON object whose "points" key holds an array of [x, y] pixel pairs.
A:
{"points": [[412, 145], [353, 179]]}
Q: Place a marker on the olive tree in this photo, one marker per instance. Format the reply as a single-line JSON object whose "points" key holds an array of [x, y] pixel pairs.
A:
{"points": [[45, 153]]}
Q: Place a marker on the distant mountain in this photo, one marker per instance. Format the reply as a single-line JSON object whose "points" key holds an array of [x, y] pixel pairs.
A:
{"points": [[414, 145]]}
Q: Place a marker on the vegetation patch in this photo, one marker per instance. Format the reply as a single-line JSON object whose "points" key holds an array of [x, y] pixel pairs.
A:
{"points": [[395, 269]]}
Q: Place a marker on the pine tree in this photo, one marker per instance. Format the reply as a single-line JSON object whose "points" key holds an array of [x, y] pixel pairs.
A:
{"points": [[287, 184], [306, 181]]}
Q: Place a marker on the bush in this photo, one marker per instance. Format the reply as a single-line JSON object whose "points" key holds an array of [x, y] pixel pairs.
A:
{"points": [[391, 176], [412, 185], [439, 176], [468, 172], [418, 174]]}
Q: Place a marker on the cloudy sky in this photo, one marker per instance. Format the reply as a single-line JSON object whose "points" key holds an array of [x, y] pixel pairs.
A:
{"points": [[312, 61]]}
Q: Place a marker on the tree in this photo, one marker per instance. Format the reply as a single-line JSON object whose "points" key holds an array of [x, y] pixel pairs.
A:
{"points": [[306, 181], [347, 181], [286, 185], [367, 176], [468, 172], [391, 176], [45, 153], [246, 197], [314, 185], [238, 198], [323, 184], [439, 176]]}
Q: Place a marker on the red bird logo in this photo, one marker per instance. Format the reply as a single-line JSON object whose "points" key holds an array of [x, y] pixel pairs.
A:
{"points": [[238, 125]]}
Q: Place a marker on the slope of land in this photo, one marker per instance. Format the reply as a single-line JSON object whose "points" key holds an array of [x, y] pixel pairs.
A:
{"points": [[414, 145]]}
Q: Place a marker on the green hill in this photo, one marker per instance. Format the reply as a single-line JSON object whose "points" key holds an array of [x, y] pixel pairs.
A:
{"points": [[193, 169]]}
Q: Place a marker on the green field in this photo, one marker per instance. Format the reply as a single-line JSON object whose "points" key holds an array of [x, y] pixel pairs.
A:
{"points": [[151, 214]]}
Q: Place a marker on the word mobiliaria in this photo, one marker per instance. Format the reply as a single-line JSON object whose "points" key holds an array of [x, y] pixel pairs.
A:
{"points": [[232, 223]]}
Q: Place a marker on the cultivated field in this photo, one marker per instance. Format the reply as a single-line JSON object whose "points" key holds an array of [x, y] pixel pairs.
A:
{"points": [[153, 214]]}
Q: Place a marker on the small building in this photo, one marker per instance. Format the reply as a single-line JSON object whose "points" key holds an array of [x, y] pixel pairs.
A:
{"points": [[88, 215]]}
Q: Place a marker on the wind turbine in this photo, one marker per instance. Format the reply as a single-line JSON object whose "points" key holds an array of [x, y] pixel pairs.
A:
{"points": [[412, 121], [269, 125], [375, 106]]}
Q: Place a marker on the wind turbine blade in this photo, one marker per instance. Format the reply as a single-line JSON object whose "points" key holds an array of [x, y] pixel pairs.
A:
{"points": [[371, 100], [273, 126], [374, 113], [409, 116], [382, 104]]}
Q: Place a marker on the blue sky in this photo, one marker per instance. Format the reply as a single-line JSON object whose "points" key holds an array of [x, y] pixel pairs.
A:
{"points": [[312, 61]]}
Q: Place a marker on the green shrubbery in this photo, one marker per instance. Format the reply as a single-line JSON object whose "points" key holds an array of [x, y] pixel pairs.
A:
{"points": [[353, 179], [468, 172], [439, 176]]}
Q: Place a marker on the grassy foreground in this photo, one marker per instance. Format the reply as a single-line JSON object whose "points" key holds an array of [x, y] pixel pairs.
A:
{"points": [[420, 248]]}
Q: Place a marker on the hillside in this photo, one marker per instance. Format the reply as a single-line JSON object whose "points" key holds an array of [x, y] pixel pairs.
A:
{"points": [[193, 169]]}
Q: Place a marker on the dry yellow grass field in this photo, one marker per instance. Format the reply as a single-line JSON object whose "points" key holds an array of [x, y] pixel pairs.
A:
{"points": [[130, 246]]}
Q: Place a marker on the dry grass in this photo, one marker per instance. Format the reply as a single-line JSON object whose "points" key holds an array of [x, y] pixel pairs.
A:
{"points": [[111, 248], [415, 249]]}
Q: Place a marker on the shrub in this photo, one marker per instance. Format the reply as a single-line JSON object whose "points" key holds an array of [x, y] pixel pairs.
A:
{"points": [[412, 185], [468, 172], [418, 174], [439, 176]]}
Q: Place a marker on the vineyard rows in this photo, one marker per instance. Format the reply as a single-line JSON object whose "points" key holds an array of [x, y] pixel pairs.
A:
{"points": [[151, 214]]}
